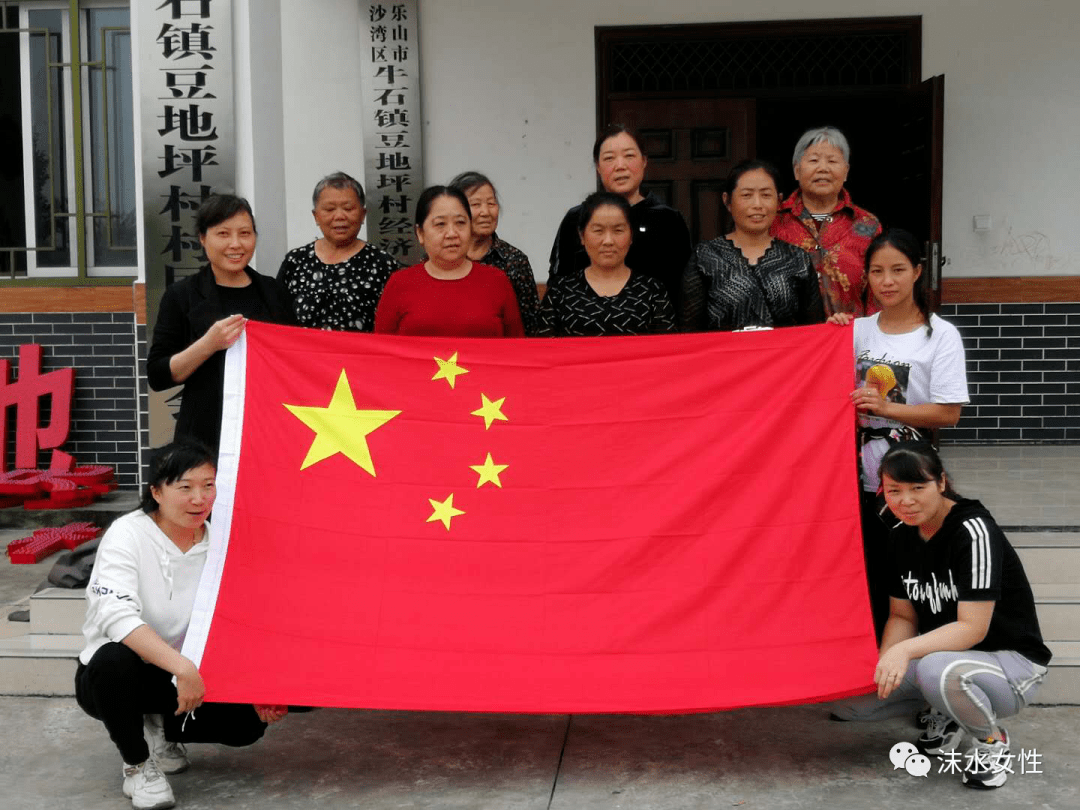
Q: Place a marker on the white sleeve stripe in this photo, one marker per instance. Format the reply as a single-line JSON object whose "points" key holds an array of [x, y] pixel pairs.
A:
{"points": [[980, 553], [976, 552], [984, 548]]}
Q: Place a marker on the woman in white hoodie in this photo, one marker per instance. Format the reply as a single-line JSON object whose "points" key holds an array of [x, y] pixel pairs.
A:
{"points": [[139, 604]]}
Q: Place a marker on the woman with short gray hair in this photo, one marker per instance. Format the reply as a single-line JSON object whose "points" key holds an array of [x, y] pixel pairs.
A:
{"points": [[335, 282], [820, 218], [487, 248]]}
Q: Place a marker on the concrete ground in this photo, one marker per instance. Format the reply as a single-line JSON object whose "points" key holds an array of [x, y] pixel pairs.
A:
{"points": [[54, 756]]}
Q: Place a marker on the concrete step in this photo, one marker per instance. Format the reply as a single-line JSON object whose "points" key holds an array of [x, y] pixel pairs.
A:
{"points": [[58, 611], [1050, 559], [1051, 565], [63, 610], [1059, 620], [1058, 606], [45, 665], [41, 662], [1062, 684], [1065, 649], [1044, 538], [34, 665]]}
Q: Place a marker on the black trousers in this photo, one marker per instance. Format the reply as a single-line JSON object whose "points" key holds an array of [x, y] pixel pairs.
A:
{"points": [[875, 535], [117, 687]]}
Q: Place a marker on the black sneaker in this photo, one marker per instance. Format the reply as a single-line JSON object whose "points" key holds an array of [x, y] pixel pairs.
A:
{"points": [[986, 765], [942, 734]]}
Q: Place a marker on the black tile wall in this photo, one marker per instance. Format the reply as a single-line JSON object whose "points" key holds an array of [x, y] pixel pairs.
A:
{"points": [[141, 349], [1023, 363], [101, 347]]}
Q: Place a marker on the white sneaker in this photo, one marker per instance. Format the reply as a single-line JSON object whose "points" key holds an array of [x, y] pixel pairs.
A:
{"points": [[988, 763], [942, 734], [171, 757], [147, 786]]}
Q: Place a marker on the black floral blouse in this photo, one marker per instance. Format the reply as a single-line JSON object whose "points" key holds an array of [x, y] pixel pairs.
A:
{"points": [[338, 296], [517, 268]]}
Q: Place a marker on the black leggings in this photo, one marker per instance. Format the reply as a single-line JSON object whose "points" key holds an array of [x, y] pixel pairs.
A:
{"points": [[117, 687], [875, 535]]}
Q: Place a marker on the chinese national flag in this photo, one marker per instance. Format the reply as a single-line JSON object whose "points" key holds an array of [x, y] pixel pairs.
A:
{"points": [[655, 524]]}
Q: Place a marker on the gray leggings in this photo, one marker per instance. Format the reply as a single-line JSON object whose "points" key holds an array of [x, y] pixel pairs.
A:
{"points": [[974, 688]]}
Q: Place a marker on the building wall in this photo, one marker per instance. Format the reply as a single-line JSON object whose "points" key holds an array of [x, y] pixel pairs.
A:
{"points": [[323, 132], [1023, 364], [105, 412], [259, 100], [509, 88]]}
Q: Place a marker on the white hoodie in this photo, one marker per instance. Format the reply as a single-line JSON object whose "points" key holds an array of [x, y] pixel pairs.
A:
{"points": [[141, 577]]}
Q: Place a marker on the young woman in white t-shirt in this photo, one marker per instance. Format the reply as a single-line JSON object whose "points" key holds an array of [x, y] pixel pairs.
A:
{"points": [[912, 379]]}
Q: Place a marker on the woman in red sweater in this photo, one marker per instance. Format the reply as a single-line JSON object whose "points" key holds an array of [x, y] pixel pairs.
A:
{"points": [[449, 294]]}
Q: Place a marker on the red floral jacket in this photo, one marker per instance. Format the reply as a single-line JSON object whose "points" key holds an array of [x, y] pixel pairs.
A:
{"points": [[836, 247]]}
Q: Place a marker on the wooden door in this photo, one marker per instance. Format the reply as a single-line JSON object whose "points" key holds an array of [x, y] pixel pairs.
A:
{"points": [[691, 145], [924, 136]]}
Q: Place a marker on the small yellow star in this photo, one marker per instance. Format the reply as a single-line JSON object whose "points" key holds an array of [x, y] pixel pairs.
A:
{"points": [[444, 511], [449, 369], [488, 471], [341, 428], [490, 411]]}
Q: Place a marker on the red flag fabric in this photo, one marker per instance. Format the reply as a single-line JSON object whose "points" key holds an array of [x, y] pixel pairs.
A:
{"points": [[656, 524]]}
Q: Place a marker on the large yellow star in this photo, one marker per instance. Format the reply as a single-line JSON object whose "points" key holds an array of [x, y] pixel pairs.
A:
{"points": [[488, 472], [340, 427], [490, 411], [449, 369], [444, 511]]}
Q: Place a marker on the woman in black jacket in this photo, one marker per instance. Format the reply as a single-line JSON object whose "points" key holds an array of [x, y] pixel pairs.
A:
{"points": [[201, 316], [661, 245]]}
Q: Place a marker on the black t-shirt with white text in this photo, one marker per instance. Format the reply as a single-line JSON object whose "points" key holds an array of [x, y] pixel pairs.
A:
{"points": [[969, 559]]}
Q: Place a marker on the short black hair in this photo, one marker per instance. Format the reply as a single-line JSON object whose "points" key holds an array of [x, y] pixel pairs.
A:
{"points": [[599, 199], [610, 131], [219, 207], [432, 193], [916, 463], [750, 165], [169, 463]]}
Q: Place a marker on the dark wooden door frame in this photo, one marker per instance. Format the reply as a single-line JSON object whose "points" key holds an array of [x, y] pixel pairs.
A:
{"points": [[606, 37], [739, 40]]}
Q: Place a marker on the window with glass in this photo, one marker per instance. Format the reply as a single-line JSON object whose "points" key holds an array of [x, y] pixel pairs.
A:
{"points": [[67, 183]]}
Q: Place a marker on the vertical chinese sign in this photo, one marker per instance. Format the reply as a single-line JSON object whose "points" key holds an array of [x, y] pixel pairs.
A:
{"points": [[393, 168], [188, 140]]}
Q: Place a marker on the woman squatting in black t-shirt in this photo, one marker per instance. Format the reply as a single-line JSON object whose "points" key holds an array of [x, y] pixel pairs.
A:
{"points": [[962, 632]]}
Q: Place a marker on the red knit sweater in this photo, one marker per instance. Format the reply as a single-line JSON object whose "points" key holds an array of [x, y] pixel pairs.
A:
{"points": [[482, 304]]}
